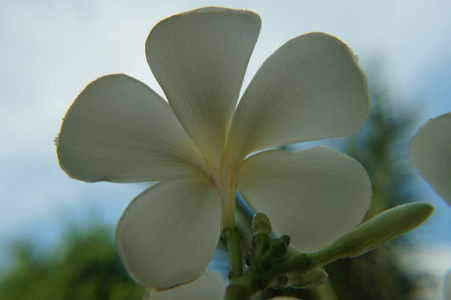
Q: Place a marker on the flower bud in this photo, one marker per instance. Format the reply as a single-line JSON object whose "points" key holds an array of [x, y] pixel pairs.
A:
{"points": [[278, 247], [374, 232], [261, 224], [261, 243]]}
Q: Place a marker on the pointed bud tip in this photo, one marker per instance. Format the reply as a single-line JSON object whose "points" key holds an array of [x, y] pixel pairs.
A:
{"points": [[375, 231], [261, 224]]}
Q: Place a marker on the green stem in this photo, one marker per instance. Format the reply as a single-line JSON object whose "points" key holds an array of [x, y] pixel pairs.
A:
{"points": [[232, 239], [243, 287], [297, 264]]}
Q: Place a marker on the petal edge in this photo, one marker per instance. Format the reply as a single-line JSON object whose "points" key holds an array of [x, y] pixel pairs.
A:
{"points": [[314, 196], [168, 234]]}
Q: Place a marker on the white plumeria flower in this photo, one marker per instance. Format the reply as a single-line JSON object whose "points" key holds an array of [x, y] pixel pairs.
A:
{"points": [[196, 145], [430, 153]]}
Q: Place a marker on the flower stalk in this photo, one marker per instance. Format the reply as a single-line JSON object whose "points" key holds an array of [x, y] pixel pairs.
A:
{"points": [[232, 240]]}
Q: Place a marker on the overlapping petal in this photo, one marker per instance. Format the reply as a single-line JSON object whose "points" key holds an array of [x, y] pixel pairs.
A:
{"points": [[314, 196], [168, 234], [210, 286], [119, 130], [430, 153], [310, 88], [199, 58]]}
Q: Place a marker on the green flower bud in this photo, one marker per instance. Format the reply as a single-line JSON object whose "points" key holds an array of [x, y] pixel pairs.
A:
{"points": [[374, 232], [261, 224], [307, 280], [260, 243], [278, 247]]}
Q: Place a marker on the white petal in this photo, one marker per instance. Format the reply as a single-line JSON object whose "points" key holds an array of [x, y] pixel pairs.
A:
{"points": [[314, 196], [199, 58], [430, 153], [310, 88], [210, 286], [168, 234], [119, 130]]}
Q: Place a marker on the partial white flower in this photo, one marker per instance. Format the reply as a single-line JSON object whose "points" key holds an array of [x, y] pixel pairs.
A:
{"points": [[210, 286], [430, 153], [196, 145]]}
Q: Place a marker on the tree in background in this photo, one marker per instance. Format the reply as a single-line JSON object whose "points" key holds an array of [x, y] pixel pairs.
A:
{"points": [[84, 267]]}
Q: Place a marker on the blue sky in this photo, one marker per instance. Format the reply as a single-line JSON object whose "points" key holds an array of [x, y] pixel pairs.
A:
{"points": [[50, 50]]}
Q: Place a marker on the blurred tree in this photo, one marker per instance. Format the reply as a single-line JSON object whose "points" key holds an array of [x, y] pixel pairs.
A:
{"points": [[84, 267]]}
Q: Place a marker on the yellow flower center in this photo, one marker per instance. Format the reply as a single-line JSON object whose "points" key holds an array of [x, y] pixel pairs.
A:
{"points": [[222, 173]]}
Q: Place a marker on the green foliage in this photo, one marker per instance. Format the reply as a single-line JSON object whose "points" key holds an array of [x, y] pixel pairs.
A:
{"points": [[85, 266]]}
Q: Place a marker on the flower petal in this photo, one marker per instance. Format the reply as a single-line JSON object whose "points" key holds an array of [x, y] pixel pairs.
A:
{"points": [[209, 286], [119, 130], [310, 88], [199, 58], [430, 153], [168, 234], [314, 196]]}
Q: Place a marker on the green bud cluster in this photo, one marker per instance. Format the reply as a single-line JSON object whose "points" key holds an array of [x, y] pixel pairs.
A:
{"points": [[272, 263], [265, 251]]}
